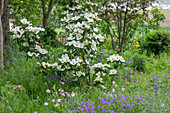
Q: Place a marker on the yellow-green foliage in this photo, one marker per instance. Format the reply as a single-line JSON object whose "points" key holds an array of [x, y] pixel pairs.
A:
{"points": [[133, 44]]}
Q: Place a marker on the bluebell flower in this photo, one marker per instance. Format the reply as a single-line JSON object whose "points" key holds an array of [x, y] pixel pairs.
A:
{"points": [[99, 98], [155, 89], [156, 78], [123, 105], [150, 98], [68, 76], [111, 111], [103, 110], [159, 82], [151, 111], [105, 98], [127, 62], [163, 74], [99, 106]]}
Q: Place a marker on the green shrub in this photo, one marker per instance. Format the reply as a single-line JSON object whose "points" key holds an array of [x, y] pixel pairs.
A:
{"points": [[156, 42], [49, 37], [139, 62]]}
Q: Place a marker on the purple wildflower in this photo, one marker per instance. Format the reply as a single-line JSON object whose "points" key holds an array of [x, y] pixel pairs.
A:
{"points": [[163, 74], [105, 98], [22, 91], [103, 110], [150, 98], [151, 111], [155, 90], [99, 106]]}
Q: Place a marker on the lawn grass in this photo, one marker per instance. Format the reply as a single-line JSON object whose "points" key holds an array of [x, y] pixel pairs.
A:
{"points": [[166, 24]]}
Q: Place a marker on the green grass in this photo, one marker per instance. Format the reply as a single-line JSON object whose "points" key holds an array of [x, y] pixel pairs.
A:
{"points": [[165, 27], [166, 24], [35, 95]]}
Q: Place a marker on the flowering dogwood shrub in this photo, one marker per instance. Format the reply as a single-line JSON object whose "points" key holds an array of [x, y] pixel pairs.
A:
{"points": [[28, 38], [83, 39], [80, 28]]}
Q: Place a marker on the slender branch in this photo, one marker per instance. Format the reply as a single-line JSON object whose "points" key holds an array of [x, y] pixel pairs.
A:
{"points": [[112, 30], [118, 19], [111, 36]]}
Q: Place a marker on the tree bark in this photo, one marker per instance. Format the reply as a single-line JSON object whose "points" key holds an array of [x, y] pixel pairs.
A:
{"points": [[1, 37], [85, 69], [6, 37], [46, 13]]}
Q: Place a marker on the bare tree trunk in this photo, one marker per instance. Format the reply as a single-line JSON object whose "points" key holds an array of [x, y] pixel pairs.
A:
{"points": [[1, 37], [5, 25], [85, 70], [46, 14]]}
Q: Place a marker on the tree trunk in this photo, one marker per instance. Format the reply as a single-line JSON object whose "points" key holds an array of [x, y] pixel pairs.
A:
{"points": [[46, 14], [6, 37], [45, 21], [1, 37], [85, 70]]}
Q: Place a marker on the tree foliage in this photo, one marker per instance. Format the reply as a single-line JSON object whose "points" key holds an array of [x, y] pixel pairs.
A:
{"points": [[119, 14], [29, 9]]}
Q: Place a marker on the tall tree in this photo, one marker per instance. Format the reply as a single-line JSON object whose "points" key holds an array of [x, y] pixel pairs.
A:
{"points": [[5, 25], [1, 37]]}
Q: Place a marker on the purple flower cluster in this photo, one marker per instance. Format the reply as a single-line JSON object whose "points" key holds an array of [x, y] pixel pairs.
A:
{"points": [[129, 62], [117, 103], [128, 75], [158, 81]]}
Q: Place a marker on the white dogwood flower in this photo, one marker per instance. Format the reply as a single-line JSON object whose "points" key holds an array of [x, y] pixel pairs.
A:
{"points": [[43, 51], [113, 71]]}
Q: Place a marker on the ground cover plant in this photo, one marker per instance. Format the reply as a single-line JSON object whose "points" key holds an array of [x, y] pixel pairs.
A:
{"points": [[71, 67]]}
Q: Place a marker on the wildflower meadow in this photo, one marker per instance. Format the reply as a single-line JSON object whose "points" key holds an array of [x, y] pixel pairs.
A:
{"points": [[81, 56]]}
